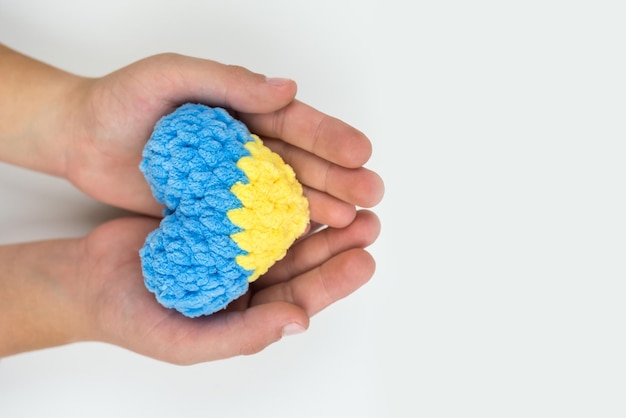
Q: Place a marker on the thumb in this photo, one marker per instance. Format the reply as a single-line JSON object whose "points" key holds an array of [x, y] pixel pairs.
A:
{"points": [[228, 334], [178, 79]]}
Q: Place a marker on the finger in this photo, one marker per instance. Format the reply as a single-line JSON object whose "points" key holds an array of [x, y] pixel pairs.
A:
{"points": [[358, 186], [227, 334], [321, 246], [313, 131], [179, 78], [318, 288], [327, 210]]}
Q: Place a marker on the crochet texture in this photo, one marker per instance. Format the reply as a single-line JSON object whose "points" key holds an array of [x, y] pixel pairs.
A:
{"points": [[232, 209]]}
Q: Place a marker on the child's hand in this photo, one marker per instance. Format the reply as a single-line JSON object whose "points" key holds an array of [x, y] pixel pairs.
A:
{"points": [[113, 117], [317, 271], [92, 131]]}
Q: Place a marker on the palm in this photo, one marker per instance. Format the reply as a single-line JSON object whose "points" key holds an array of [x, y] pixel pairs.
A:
{"points": [[116, 121], [313, 275]]}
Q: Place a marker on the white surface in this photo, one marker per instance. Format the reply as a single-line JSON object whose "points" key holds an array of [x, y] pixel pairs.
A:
{"points": [[498, 128]]}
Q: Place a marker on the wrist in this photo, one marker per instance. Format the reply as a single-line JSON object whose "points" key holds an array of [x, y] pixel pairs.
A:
{"points": [[36, 103], [40, 296]]}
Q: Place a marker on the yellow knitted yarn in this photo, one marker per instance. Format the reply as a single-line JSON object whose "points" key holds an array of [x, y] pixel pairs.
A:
{"points": [[274, 211]]}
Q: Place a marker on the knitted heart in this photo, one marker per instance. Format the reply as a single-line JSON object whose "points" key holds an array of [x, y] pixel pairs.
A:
{"points": [[232, 209]]}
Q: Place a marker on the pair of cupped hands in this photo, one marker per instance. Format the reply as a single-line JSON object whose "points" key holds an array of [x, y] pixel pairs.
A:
{"points": [[102, 125]]}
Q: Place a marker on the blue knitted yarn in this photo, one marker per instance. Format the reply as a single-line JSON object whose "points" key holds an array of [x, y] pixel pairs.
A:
{"points": [[190, 164]]}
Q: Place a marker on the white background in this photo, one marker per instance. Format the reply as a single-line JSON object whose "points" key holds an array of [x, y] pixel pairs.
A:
{"points": [[498, 127]]}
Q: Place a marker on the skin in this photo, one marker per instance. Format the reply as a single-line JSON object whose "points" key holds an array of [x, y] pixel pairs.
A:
{"points": [[91, 131]]}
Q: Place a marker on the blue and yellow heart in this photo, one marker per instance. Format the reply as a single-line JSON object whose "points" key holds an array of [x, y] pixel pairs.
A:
{"points": [[232, 209]]}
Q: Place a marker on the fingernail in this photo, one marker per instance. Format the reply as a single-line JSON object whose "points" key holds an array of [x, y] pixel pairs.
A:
{"points": [[293, 329], [275, 81]]}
